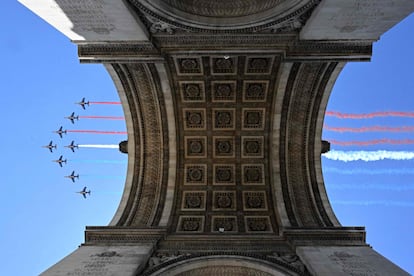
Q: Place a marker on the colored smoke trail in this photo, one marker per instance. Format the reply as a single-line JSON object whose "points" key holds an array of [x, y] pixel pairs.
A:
{"points": [[368, 156], [100, 146], [370, 129], [97, 131], [371, 142], [374, 202], [367, 171], [104, 102], [369, 115], [101, 161], [398, 188], [103, 117]]}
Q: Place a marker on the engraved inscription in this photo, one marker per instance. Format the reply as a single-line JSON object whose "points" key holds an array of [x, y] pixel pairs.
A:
{"points": [[353, 264], [88, 15]]}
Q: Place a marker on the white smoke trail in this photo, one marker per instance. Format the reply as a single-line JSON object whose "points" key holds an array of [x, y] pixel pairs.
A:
{"points": [[368, 156], [100, 146]]}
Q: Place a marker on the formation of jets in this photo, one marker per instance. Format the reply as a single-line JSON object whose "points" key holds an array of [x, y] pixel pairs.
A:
{"points": [[84, 192], [60, 161], [83, 103], [72, 117], [72, 176], [60, 131], [50, 146], [72, 146]]}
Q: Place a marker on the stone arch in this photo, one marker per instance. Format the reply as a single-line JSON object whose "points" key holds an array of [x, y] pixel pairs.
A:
{"points": [[225, 265]]}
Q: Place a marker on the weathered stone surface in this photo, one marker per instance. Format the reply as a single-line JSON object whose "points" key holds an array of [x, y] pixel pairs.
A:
{"points": [[355, 19], [102, 261], [90, 20], [337, 260]]}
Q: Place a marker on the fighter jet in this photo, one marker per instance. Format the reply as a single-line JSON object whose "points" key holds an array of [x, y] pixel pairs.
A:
{"points": [[60, 132], [72, 176], [60, 161], [83, 103], [72, 117], [84, 192], [50, 146], [72, 146]]}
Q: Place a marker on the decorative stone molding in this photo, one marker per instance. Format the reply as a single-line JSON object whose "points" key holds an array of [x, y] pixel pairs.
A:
{"points": [[240, 16], [223, 264]]}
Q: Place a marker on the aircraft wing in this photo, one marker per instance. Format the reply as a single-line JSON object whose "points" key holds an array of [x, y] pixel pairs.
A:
{"points": [[51, 150], [84, 195]]}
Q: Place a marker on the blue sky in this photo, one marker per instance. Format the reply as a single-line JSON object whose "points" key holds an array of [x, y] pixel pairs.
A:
{"points": [[43, 219]]}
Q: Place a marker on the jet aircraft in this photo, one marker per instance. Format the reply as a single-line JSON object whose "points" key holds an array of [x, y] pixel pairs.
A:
{"points": [[60, 161], [83, 103], [72, 176], [72, 117], [72, 146], [84, 192], [50, 146], [60, 132]]}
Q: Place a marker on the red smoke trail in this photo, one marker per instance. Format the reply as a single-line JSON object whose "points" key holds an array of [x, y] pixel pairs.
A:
{"points": [[102, 117], [98, 131], [369, 115], [369, 129], [372, 142], [105, 102]]}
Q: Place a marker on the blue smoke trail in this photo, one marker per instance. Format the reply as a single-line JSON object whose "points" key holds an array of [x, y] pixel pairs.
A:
{"points": [[374, 202], [398, 188], [367, 171], [102, 161]]}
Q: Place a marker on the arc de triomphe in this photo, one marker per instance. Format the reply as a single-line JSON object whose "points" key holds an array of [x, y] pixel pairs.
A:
{"points": [[224, 103]]}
